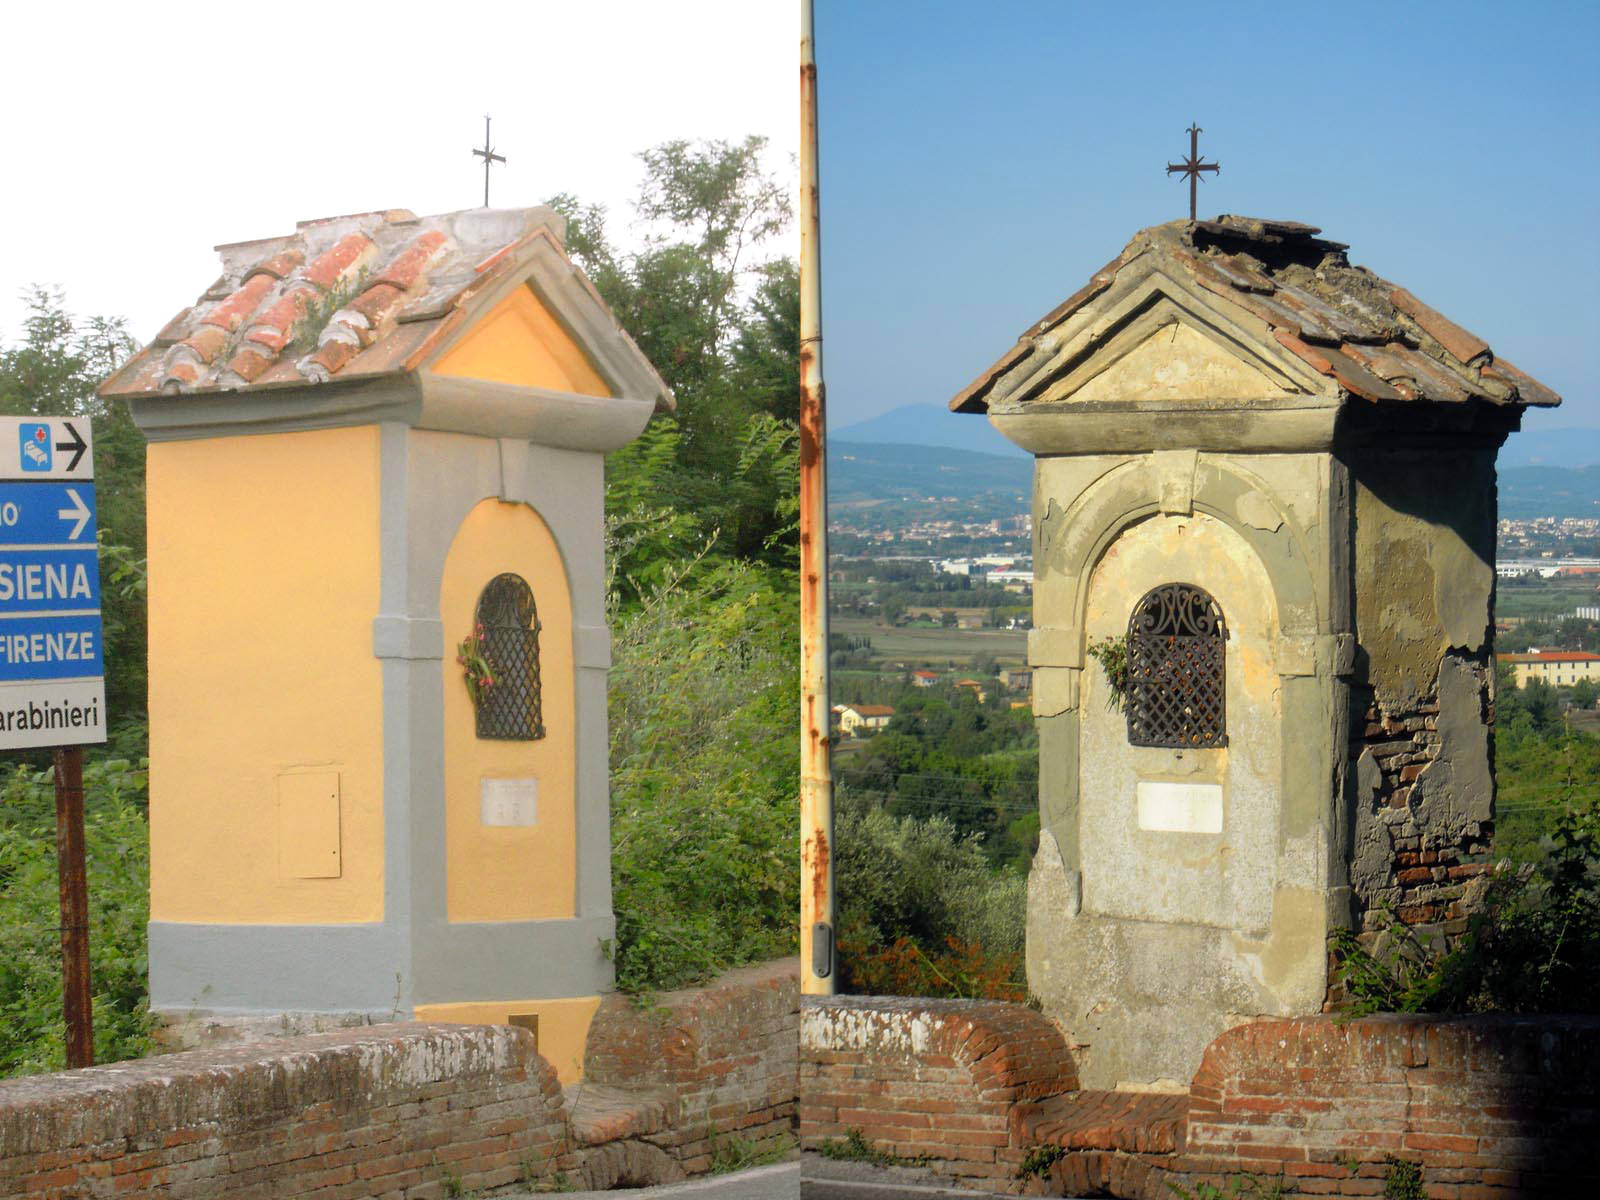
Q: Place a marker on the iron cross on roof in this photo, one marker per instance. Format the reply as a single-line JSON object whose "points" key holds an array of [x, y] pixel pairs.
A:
{"points": [[1191, 166], [489, 156]]}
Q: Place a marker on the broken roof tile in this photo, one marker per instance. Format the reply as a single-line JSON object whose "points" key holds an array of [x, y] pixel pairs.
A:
{"points": [[1342, 320], [1461, 344]]}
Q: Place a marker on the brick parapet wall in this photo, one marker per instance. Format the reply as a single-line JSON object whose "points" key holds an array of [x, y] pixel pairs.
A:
{"points": [[950, 1081], [1489, 1108], [417, 1111], [389, 1110], [1492, 1106], [725, 1057]]}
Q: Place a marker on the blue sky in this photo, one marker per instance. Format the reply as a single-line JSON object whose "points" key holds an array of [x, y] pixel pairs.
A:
{"points": [[980, 161]]}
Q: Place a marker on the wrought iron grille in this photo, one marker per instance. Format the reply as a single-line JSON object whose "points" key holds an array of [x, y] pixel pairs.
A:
{"points": [[510, 710], [1176, 668]]}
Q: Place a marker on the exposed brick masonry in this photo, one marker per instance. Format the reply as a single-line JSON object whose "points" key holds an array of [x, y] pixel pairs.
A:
{"points": [[1431, 869], [940, 1079], [695, 1066]]}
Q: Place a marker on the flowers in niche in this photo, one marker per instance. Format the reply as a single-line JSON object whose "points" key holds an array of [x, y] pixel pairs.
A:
{"points": [[474, 661]]}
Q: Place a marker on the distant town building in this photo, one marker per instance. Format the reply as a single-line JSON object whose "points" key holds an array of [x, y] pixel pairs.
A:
{"points": [[1559, 667], [973, 686], [1017, 680], [924, 678], [856, 719]]}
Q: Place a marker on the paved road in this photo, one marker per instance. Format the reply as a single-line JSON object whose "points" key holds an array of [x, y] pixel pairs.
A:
{"points": [[778, 1182], [813, 1179], [828, 1179]]}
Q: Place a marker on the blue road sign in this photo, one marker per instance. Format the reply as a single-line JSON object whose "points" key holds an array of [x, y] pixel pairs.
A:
{"points": [[53, 580], [52, 670], [50, 648], [44, 514]]}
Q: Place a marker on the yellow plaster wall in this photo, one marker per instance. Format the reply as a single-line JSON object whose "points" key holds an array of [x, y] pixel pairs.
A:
{"points": [[563, 1025], [520, 342], [509, 873], [263, 577]]}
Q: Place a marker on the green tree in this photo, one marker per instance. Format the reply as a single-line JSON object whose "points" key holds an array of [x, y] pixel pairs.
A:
{"points": [[722, 327]]}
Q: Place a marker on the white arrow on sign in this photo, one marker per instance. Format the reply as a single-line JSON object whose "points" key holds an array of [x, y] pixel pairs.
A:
{"points": [[79, 510]]}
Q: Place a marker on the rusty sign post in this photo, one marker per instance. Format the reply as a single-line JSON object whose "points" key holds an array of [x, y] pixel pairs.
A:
{"points": [[818, 954], [52, 678]]}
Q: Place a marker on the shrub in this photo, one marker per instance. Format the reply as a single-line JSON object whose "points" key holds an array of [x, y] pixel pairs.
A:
{"points": [[705, 777], [921, 912], [117, 857]]}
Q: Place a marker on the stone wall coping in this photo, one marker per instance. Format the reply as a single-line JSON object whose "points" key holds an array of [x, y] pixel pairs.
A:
{"points": [[245, 1084]]}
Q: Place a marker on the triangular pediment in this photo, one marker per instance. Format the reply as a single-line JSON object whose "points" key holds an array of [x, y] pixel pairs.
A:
{"points": [[519, 341], [1174, 363], [1152, 340]]}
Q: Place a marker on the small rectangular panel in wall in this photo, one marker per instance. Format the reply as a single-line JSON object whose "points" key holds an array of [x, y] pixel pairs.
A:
{"points": [[508, 802], [1180, 807], [308, 825]]}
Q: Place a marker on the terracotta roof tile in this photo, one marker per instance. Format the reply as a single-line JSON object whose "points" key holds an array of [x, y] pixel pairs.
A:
{"points": [[230, 314], [1461, 344], [404, 285], [407, 267], [279, 266], [1376, 339], [334, 264]]}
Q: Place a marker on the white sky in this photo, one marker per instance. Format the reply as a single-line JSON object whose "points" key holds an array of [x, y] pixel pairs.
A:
{"points": [[138, 136]]}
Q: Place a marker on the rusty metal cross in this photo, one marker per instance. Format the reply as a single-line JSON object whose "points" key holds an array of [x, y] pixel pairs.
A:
{"points": [[489, 156], [1192, 166]]}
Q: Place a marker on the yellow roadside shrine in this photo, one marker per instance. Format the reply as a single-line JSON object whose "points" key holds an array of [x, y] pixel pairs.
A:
{"points": [[377, 448]]}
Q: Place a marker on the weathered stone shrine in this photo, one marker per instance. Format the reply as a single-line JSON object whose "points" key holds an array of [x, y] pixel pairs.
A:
{"points": [[1264, 518], [377, 444]]}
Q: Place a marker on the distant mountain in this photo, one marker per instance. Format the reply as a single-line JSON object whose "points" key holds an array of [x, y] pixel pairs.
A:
{"points": [[1551, 448], [889, 471], [930, 425], [1528, 492], [935, 425], [863, 471]]}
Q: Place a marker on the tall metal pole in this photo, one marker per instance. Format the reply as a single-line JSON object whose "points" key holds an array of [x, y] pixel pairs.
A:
{"points": [[818, 954], [76, 995]]}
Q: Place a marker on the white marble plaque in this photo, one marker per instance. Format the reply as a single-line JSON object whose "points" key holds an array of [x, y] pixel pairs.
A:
{"points": [[1180, 807], [508, 801]]}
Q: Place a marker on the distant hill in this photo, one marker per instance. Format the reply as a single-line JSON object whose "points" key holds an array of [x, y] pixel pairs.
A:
{"points": [[1527, 492], [934, 425], [1551, 448], [929, 425], [864, 471]]}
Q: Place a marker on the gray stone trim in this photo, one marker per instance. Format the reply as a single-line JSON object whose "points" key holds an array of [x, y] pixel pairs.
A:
{"points": [[419, 399], [513, 960], [305, 968], [407, 637], [1255, 426], [270, 408], [453, 404], [1055, 647], [591, 647]]}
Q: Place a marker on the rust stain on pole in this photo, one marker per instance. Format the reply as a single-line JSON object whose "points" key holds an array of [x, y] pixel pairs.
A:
{"points": [[817, 971], [76, 995]]}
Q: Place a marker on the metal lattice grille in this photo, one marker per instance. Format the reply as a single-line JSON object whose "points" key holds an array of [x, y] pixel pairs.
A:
{"points": [[1176, 669], [510, 710]]}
